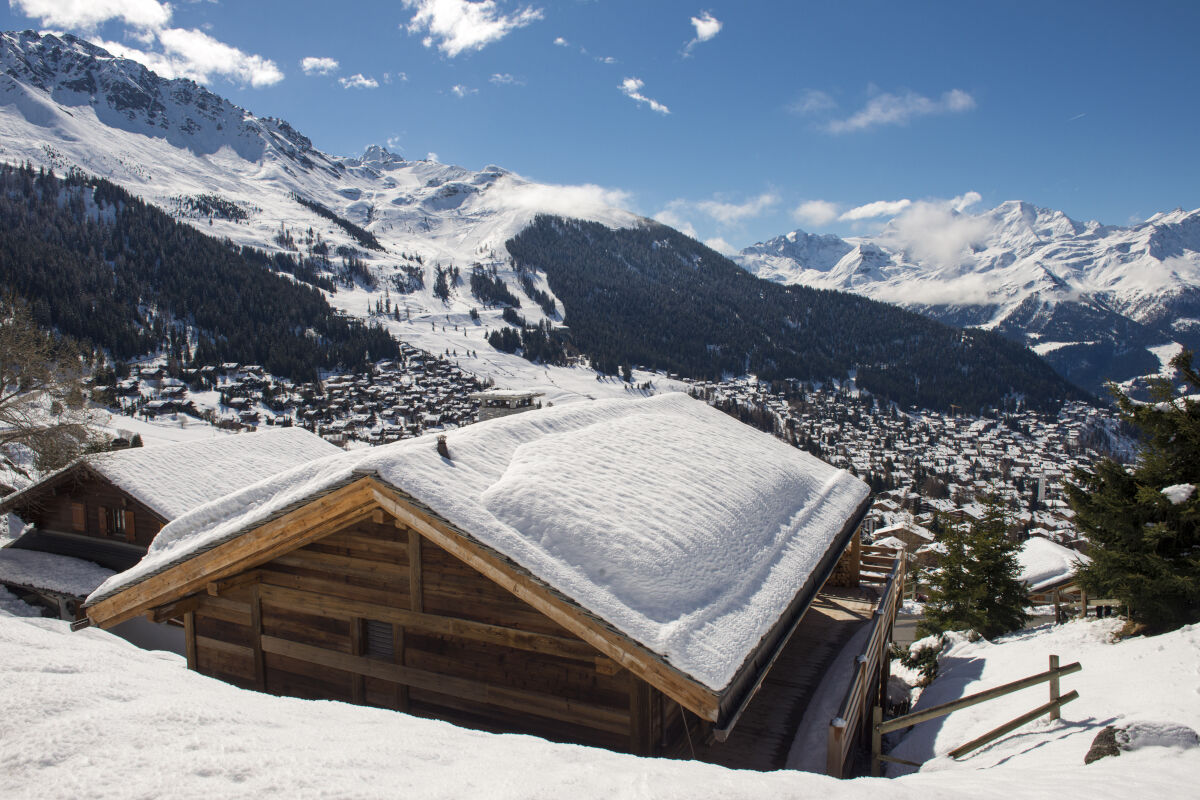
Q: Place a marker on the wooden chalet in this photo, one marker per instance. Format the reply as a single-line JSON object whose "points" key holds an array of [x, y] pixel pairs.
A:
{"points": [[107, 508], [451, 576]]}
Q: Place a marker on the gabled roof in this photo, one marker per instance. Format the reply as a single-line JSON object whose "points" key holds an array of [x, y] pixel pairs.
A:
{"points": [[1047, 565], [173, 479], [685, 530]]}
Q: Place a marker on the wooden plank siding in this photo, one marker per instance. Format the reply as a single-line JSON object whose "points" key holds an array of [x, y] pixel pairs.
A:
{"points": [[464, 649], [83, 504]]}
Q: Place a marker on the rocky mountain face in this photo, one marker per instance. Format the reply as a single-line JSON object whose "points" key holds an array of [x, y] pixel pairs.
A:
{"points": [[1099, 302]]}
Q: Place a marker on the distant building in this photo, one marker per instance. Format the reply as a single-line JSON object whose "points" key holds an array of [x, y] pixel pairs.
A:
{"points": [[503, 402]]}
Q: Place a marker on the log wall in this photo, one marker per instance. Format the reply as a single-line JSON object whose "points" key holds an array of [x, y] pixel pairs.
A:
{"points": [[86, 507], [377, 615]]}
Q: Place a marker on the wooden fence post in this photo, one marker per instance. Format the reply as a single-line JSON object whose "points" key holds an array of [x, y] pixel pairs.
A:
{"points": [[1055, 712], [876, 741]]}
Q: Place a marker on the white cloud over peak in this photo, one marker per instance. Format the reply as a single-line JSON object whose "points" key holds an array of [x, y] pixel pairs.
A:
{"points": [[707, 26], [898, 109], [879, 208], [815, 212], [184, 53], [632, 88], [318, 66], [358, 81], [455, 26], [88, 14], [939, 231]]}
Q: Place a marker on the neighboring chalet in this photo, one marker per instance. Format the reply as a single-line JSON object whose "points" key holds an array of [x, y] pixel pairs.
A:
{"points": [[618, 573], [100, 513]]}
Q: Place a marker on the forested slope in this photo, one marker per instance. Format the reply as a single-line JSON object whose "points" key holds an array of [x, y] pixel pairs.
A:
{"points": [[651, 296]]}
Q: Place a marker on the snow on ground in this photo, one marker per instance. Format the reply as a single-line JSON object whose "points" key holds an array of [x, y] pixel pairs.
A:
{"points": [[162, 430], [683, 528], [1151, 680], [87, 714], [1164, 353]]}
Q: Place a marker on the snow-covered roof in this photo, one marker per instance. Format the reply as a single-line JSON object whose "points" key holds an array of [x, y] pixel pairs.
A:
{"points": [[685, 529], [1045, 563], [172, 479], [51, 572]]}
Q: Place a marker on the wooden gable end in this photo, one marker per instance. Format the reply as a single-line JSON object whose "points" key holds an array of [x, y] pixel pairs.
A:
{"points": [[79, 507], [374, 613]]}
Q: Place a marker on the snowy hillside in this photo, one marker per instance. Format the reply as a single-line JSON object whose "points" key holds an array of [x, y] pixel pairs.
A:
{"points": [[65, 103], [1097, 301], [162, 730]]}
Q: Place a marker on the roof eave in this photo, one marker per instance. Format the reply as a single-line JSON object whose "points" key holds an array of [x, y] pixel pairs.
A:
{"points": [[750, 676]]}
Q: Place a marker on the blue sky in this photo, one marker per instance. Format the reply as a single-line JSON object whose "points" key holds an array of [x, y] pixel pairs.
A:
{"points": [[735, 121]]}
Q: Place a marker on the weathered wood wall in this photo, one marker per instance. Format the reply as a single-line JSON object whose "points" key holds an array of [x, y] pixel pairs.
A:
{"points": [[84, 507], [463, 649]]}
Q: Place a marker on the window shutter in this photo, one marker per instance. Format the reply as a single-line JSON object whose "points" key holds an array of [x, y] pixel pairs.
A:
{"points": [[129, 531], [377, 639], [78, 517], [102, 516]]}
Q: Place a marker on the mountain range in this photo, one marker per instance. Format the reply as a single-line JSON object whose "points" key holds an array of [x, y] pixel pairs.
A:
{"points": [[424, 248], [1098, 302]]}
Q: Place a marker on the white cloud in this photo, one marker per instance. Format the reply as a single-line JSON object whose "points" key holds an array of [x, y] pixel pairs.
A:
{"points": [[394, 144], [898, 109], [388, 77], [561, 42], [721, 246], [940, 232], [879, 208], [431, 156], [812, 101], [672, 216], [505, 79], [195, 55], [313, 65], [606, 60], [459, 25], [88, 14], [732, 213], [588, 201], [632, 88], [707, 26], [201, 55], [462, 91], [185, 53], [815, 212], [358, 81]]}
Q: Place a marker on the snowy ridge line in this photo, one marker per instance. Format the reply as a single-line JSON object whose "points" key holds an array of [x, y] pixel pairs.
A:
{"points": [[695, 560]]}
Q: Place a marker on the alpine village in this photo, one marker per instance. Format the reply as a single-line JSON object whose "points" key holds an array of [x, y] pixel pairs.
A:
{"points": [[371, 475]]}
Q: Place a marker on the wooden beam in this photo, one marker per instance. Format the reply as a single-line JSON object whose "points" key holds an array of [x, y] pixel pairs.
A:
{"points": [[637, 659], [256, 631], [218, 588], [416, 587], [222, 646], [189, 638], [640, 741], [519, 700], [340, 608], [175, 609], [358, 689], [257, 546]]}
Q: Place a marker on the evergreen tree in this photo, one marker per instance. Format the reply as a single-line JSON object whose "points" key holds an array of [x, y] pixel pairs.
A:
{"points": [[1145, 539], [977, 585]]}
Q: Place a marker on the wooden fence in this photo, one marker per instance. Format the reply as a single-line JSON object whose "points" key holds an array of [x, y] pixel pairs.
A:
{"points": [[1057, 700], [880, 564]]}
